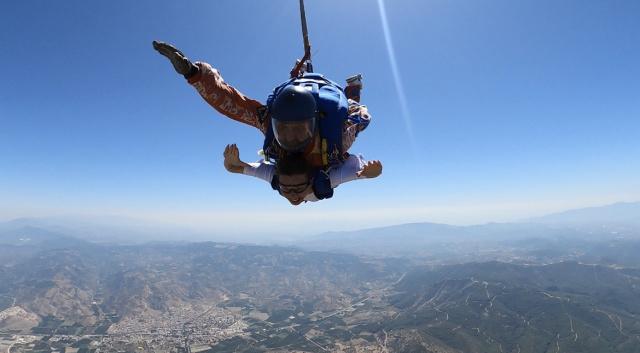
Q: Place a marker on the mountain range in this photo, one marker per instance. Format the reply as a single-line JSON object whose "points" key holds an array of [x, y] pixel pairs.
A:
{"points": [[547, 285]]}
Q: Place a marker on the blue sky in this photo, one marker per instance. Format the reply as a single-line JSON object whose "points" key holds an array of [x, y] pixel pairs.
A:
{"points": [[516, 108]]}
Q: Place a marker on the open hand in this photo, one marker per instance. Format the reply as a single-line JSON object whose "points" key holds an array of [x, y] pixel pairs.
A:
{"points": [[371, 169], [180, 63], [232, 160]]}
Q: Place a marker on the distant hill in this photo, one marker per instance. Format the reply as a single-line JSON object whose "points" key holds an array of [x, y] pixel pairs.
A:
{"points": [[103, 229], [18, 241], [550, 234], [25, 235], [439, 240], [619, 214]]}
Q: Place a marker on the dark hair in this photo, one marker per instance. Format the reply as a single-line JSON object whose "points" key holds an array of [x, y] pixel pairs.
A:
{"points": [[293, 163]]}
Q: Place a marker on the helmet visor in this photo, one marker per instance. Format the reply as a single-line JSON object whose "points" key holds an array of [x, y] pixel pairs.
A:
{"points": [[294, 136]]}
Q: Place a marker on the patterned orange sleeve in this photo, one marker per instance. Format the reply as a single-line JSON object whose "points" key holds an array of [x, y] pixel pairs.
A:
{"points": [[226, 99]]}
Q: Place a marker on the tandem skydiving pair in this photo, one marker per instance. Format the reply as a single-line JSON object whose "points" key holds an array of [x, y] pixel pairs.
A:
{"points": [[309, 124]]}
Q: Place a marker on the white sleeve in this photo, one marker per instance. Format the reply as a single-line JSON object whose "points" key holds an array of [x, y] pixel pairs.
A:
{"points": [[260, 170], [347, 171]]}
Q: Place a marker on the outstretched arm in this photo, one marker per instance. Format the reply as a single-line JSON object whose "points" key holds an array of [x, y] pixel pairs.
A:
{"points": [[355, 167], [234, 164], [208, 82]]}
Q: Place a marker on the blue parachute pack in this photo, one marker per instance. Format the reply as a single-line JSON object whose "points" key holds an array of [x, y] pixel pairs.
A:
{"points": [[333, 108]]}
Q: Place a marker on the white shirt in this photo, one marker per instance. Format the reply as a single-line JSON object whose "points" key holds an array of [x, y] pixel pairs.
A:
{"points": [[341, 174]]}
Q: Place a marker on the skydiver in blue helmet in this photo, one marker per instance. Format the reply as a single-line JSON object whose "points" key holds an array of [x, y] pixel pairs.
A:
{"points": [[308, 115]]}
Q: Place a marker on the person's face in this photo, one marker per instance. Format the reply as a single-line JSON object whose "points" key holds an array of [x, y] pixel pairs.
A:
{"points": [[295, 187], [293, 136]]}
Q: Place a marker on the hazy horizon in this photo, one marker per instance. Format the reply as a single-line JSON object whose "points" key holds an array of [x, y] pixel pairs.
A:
{"points": [[162, 229]]}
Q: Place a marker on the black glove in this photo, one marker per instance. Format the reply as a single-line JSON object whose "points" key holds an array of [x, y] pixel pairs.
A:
{"points": [[180, 63]]}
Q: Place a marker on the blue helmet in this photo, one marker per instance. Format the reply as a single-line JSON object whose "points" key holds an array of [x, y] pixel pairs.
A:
{"points": [[293, 117]]}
